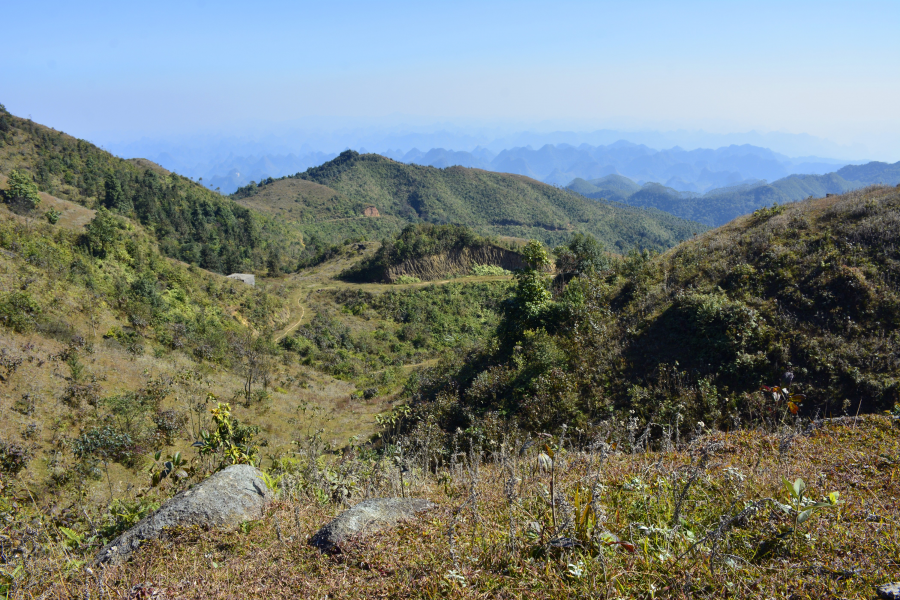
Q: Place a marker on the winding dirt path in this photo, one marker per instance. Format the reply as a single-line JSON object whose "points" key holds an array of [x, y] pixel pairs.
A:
{"points": [[297, 324]]}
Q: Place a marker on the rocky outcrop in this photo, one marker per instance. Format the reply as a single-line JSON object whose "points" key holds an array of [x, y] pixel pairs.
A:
{"points": [[455, 262], [235, 494], [366, 518]]}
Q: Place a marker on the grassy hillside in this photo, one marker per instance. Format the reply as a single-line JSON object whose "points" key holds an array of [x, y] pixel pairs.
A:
{"points": [[191, 223], [692, 334], [105, 360], [489, 203], [719, 206]]}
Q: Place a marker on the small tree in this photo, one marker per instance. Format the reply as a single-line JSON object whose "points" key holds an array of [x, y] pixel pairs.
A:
{"points": [[255, 362], [101, 234], [533, 295], [231, 441], [22, 193]]}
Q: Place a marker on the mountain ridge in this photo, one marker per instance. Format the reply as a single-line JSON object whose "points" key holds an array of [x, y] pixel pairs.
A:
{"points": [[720, 206], [490, 203]]}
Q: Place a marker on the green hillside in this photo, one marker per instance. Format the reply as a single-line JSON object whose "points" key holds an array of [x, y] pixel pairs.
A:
{"points": [[811, 287], [490, 203], [190, 222]]}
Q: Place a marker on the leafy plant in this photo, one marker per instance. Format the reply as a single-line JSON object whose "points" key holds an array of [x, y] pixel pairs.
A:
{"points": [[74, 540], [175, 467], [271, 481], [52, 216], [781, 396], [230, 440], [407, 279], [803, 508]]}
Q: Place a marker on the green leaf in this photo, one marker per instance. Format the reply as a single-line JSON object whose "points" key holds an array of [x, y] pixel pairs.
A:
{"points": [[799, 487], [805, 515], [788, 486]]}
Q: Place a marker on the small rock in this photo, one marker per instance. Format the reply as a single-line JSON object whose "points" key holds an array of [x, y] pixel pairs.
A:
{"points": [[232, 495], [365, 518], [889, 591]]}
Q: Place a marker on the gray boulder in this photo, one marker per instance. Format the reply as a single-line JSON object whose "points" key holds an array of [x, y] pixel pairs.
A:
{"points": [[365, 518], [234, 494], [889, 591]]}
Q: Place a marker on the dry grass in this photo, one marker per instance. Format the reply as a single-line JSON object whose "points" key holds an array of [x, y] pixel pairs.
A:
{"points": [[497, 507]]}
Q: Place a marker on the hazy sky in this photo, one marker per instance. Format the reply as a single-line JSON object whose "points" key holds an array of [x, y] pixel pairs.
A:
{"points": [[118, 70]]}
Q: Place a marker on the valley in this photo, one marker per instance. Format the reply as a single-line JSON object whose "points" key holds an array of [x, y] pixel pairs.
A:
{"points": [[596, 396]]}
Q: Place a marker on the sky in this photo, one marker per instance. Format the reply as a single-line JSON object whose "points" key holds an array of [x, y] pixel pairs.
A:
{"points": [[117, 71]]}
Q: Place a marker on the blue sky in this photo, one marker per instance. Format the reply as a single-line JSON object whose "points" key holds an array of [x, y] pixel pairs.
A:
{"points": [[119, 70]]}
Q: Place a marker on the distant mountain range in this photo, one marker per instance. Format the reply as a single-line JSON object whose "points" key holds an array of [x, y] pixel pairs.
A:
{"points": [[698, 171], [721, 205], [684, 170]]}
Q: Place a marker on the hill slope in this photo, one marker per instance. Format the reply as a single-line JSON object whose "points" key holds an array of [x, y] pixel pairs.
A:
{"points": [[191, 223], [812, 287], [490, 203]]}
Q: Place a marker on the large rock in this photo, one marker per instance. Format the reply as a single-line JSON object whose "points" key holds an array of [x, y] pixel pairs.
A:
{"points": [[365, 518], [889, 591], [235, 494]]}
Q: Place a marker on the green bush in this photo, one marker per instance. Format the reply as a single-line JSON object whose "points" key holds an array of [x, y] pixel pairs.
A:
{"points": [[22, 192], [485, 270], [407, 279], [19, 311]]}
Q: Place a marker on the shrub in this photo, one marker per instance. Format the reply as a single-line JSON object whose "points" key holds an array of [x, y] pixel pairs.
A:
{"points": [[407, 279], [19, 311], [484, 270], [52, 216], [13, 458], [22, 192]]}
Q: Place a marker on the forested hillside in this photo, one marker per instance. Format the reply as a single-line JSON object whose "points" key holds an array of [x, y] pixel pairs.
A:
{"points": [[719, 206], [190, 222], [811, 288], [489, 203]]}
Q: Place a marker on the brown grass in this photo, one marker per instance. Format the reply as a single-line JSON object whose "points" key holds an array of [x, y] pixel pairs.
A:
{"points": [[848, 550]]}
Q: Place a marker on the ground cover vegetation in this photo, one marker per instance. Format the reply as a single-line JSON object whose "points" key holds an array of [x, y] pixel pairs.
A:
{"points": [[191, 223], [334, 196], [801, 511], [368, 338]]}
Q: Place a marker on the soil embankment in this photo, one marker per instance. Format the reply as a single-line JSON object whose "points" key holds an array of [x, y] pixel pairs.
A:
{"points": [[455, 262]]}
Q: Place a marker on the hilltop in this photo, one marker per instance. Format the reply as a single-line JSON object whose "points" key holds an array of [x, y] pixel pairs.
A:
{"points": [[489, 203], [718, 206]]}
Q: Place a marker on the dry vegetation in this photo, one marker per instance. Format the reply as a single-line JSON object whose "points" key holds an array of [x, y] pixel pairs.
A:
{"points": [[706, 518]]}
